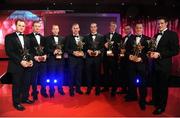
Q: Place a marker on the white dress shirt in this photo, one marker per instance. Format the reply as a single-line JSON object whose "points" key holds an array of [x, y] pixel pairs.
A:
{"points": [[21, 39], [159, 37], [56, 39], [38, 38]]}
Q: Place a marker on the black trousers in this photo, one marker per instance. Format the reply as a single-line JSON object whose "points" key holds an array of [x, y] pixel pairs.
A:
{"points": [[137, 71], [110, 73], [123, 74], [39, 71], [20, 86], [160, 88], [75, 69], [55, 72], [93, 67]]}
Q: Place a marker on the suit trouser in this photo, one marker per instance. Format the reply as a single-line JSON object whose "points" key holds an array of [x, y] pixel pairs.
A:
{"points": [[55, 72], [93, 67], [123, 74], [20, 86], [110, 73], [137, 71], [160, 88], [75, 69], [39, 72]]}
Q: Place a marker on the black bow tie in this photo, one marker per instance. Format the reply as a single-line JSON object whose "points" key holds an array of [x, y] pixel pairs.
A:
{"points": [[138, 36], [56, 36], [93, 34], [112, 33], [21, 34], [160, 34], [37, 34], [75, 36]]}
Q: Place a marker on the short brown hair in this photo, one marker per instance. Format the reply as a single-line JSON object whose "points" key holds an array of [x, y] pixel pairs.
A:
{"points": [[19, 20], [37, 21]]}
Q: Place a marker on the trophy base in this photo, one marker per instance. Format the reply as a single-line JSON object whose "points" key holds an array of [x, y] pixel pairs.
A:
{"points": [[109, 52], [58, 57]]}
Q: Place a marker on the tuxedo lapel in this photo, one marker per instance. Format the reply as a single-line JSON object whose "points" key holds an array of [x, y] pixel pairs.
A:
{"points": [[18, 41]]}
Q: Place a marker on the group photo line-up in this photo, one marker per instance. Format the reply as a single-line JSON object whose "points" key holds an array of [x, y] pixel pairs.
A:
{"points": [[104, 62]]}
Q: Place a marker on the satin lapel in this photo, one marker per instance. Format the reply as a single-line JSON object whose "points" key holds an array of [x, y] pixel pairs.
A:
{"points": [[18, 41]]}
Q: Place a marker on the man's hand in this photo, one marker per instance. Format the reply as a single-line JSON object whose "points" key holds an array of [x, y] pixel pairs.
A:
{"points": [[110, 54], [138, 59], [78, 53], [97, 53], [57, 51], [30, 63], [89, 52], [45, 57], [24, 64], [131, 57], [36, 58], [106, 45], [155, 55]]}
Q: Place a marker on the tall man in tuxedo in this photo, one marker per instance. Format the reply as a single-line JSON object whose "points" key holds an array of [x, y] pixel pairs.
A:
{"points": [[111, 58], [75, 49], [19, 65], [167, 46], [55, 49], [38, 48], [94, 48], [124, 59], [137, 66]]}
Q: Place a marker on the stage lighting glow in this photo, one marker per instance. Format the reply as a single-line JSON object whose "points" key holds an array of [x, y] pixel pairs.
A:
{"points": [[137, 80], [55, 81], [48, 80]]}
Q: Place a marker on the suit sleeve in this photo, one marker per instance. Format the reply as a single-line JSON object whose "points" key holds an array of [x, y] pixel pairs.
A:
{"points": [[10, 51], [173, 47], [49, 48], [68, 47]]}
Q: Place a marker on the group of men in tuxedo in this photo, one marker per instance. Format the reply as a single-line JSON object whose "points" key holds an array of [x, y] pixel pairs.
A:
{"points": [[124, 60]]}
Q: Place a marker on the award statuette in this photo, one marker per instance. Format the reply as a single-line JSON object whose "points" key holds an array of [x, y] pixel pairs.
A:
{"points": [[40, 52], [80, 45], [137, 49], [58, 47], [110, 47], [151, 46], [122, 49], [26, 55], [94, 48]]}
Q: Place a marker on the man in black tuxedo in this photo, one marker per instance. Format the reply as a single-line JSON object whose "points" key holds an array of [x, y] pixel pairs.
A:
{"points": [[38, 48], [124, 59], [75, 49], [55, 49], [167, 46], [111, 58], [94, 48], [20, 64], [137, 67]]}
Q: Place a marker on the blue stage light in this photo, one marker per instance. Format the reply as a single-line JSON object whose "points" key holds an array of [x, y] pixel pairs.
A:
{"points": [[137, 80], [55, 81], [48, 80]]}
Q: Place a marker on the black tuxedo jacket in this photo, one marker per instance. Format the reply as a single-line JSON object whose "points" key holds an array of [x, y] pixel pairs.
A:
{"points": [[168, 47], [50, 44], [98, 44], [71, 45], [127, 45], [13, 49], [144, 42], [34, 43], [116, 38]]}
